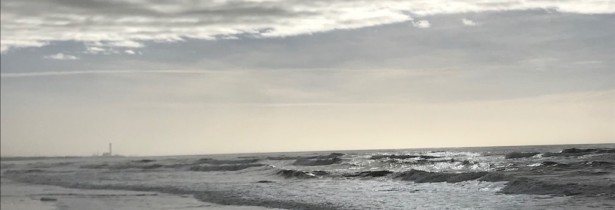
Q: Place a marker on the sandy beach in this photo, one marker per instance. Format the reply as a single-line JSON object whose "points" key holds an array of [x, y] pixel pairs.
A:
{"points": [[20, 196]]}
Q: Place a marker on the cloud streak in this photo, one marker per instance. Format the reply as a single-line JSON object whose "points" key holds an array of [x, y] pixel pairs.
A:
{"points": [[128, 24], [61, 56], [70, 73], [395, 72]]}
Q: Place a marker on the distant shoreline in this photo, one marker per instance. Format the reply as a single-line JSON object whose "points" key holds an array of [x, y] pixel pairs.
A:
{"points": [[20, 158]]}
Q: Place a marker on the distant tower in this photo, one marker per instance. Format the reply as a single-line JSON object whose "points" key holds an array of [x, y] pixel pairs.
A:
{"points": [[110, 153]]}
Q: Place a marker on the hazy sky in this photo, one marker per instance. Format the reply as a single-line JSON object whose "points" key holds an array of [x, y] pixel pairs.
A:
{"points": [[194, 77]]}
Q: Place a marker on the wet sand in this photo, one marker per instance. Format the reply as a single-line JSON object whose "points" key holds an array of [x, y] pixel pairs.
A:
{"points": [[20, 196]]}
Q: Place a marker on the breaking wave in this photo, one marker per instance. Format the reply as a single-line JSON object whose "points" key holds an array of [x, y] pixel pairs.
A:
{"points": [[290, 173]]}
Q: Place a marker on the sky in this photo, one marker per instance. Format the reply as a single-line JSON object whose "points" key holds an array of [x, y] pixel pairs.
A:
{"points": [[202, 77]]}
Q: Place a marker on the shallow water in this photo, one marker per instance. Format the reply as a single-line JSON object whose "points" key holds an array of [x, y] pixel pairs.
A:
{"points": [[20, 196], [536, 177]]}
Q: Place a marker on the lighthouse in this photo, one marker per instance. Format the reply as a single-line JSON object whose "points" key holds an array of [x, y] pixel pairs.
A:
{"points": [[110, 153]]}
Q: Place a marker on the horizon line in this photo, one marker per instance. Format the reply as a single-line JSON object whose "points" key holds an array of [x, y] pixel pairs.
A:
{"points": [[298, 151]]}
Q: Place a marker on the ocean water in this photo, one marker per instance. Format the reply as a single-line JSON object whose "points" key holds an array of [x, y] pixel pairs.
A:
{"points": [[530, 177]]}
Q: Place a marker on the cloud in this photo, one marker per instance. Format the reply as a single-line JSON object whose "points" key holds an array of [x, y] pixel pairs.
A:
{"points": [[97, 48], [589, 62], [421, 24], [468, 22], [10, 43], [69, 73], [130, 24], [61, 56]]}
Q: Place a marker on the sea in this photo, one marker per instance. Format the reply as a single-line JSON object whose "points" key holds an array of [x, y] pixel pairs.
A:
{"points": [[515, 177]]}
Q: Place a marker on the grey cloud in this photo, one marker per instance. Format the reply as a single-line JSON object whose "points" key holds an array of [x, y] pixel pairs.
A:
{"points": [[36, 23], [493, 61]]}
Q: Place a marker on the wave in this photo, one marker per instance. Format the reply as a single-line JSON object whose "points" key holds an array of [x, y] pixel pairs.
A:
{"points": [[598, 150], [231, 167], [514, 155], [123, 166], [432, 163], [454, 154], [290, 173], [26, 171], [531, 186], [369, 174], [419, 176], [316, 161], [516, 185], [401, 157], [575, 152], [546, 165], [144, 161], [284, 157], [330, 159], [495, 177], [220, 162], [198, 165]]}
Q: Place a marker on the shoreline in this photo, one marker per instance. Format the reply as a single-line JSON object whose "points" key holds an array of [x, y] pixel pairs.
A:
{"points": [[18, 195]]}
